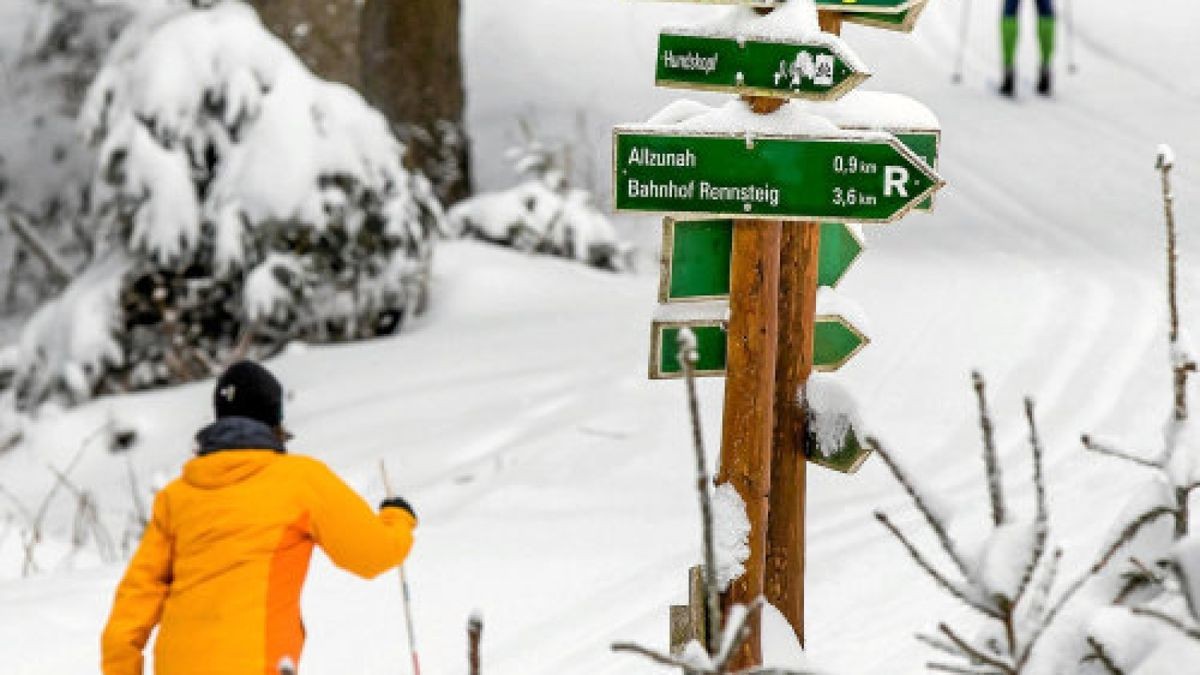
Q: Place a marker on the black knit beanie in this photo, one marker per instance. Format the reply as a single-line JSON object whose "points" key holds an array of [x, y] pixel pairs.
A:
{"points": [[246, 389]]}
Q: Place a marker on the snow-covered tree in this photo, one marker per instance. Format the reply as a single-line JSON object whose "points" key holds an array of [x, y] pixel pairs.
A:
{"points": [[1143, 610], [544, 213], [239, 202], [49, 52], [1156, 557]]}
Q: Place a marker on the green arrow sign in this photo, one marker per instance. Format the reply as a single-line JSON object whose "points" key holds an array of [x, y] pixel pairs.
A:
{"points": [[836, 342], [857, 178], [903, 21], [696, 256], [819, 70], [849, 6], [847, 457]]}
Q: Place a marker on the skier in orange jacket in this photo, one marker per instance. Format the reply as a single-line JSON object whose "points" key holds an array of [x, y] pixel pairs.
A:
{"points": [[225, 554]]}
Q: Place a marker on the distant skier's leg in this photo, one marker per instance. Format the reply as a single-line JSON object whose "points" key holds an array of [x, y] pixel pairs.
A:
{"points": [[1008, 45], [1046, 32]]}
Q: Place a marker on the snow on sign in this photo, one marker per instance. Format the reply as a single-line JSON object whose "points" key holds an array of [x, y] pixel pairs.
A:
{"points": [[821, 68], [697, 253], [867, 178], [848, 6], [836, 341]]}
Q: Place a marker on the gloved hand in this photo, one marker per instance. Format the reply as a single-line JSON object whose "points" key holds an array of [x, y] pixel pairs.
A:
{"points": [[398, 503]]}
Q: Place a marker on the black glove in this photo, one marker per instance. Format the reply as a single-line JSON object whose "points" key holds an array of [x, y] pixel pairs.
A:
{"points": [[398, 503]]}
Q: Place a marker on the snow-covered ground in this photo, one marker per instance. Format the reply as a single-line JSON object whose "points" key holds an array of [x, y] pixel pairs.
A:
{"points": [[554, 482]]}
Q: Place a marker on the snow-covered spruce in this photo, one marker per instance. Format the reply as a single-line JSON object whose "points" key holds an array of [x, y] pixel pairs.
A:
{"points": [[243, 203], [543, 213], [49, 51]]}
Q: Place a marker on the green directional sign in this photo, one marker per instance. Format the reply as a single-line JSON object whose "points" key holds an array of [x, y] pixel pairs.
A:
{"points": [[903, 21], [847, 457], [840, 247], [836, 342], [664, 351], [865, 6], [819, 69], [868, 178], [696, 255], [849, 6]]}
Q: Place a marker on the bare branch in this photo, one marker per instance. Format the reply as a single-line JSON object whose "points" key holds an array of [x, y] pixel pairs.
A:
{"points": [[737, 634], [1042, 520], [974, 653], [958, 670], [58, 269], [632, 648], [1050, 616], [990, 459], [931, 519], [936, 643], [1127, 535], [1099, 448], [689, 356], [1100, 656], [929, 569], [1167, 619]]}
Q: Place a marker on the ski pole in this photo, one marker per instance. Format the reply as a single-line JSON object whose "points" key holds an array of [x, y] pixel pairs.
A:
{"points": [[1072, 66], [962, 42], [404, 592]]}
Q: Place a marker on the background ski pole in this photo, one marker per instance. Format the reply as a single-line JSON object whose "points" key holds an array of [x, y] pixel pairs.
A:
{"points": [[1072, 66], [408, 619], [964, 27]]}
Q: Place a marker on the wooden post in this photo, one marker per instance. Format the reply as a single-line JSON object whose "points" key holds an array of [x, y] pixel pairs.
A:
{"points": [[749, 405], [799, 262], [474, 637]]}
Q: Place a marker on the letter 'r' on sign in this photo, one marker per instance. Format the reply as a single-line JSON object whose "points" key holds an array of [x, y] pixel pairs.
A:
{"points": [[895, 181]]}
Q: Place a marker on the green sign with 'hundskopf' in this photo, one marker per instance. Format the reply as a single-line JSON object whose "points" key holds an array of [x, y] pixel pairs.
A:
{"points": [[818, 70], [867, 178]]}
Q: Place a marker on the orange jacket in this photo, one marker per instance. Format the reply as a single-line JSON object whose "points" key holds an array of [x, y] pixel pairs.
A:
{"points": [[223, 559]]}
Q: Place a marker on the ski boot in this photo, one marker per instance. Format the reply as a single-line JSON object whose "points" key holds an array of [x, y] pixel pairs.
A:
{"points": [[1043, 84], [1008, 86]]}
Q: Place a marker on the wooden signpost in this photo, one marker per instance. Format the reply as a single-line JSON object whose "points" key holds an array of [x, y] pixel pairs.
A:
{"points": [[769, 225]]}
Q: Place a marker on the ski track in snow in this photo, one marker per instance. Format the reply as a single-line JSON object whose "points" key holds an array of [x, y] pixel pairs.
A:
{"points": [[555, 484]]}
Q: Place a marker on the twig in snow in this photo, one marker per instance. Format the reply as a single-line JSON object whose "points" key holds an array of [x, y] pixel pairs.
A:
{"points": [[1167, 619], [1098, 447], [929, 569], [689, 356], [737, 634], [974, 654], [934, 522], [937, 643], [958, 670], [1127, 535], [1042, 519], [990, 459], [1099, 655], [633, 648]]}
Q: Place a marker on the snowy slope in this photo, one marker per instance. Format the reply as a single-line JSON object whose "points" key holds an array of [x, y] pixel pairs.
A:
{"points": [[554, 481]]}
